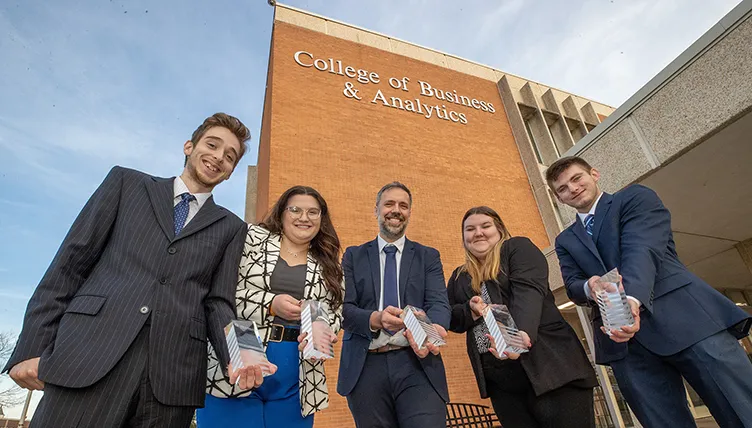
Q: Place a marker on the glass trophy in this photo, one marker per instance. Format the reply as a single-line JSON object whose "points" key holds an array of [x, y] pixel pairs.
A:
{"points": [[502, 328], [246, 349], [314, 320], [612, 302], [421, 327]]}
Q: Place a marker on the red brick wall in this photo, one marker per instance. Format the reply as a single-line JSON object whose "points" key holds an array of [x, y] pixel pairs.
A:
{"points": [[348, 149]]}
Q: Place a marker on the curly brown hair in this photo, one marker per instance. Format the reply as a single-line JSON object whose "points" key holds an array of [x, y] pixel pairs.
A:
{"points": [[325, 246]]}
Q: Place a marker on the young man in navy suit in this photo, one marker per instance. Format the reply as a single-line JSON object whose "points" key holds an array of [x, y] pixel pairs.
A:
{"points": [[116, 330], [683, 327], [388, 380]]}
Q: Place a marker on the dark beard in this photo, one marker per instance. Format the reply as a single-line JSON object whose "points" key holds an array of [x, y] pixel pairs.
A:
{"points": [[392, 234]]}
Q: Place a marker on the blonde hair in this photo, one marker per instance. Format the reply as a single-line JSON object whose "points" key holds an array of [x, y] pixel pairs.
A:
{"points": [[490, 267]]}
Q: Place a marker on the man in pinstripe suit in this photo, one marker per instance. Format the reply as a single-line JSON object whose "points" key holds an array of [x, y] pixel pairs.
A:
{"points": [[116, 331]]}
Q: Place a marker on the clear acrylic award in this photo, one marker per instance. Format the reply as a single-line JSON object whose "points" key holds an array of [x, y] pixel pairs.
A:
{"points": [[314, 320], [502, 328], [612, 302], [421, 327], [246, 349]]}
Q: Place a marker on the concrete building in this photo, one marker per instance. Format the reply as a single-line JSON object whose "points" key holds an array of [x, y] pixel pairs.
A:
{"points": [[348, 110]]}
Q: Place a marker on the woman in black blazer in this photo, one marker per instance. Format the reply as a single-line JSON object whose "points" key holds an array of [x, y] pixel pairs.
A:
{"points": [[552, 384]]}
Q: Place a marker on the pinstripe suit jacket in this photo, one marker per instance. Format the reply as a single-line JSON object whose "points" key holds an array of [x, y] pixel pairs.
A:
{"points": [[254, 298], [120, 264]]}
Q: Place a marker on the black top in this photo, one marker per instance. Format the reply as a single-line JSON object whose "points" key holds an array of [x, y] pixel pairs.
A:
{"points": [[556, 357], [290, 280]]}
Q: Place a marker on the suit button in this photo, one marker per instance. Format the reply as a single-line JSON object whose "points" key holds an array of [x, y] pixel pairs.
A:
{"points": [[172, 250], [163, 280], [144, 309]]}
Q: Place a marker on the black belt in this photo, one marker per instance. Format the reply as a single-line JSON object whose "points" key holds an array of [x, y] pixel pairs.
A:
{"points": [[281, 333]]}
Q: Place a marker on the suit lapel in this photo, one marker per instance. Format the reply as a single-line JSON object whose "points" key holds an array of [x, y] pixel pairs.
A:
{"points": [[373, 261], [311, 291], [271, 249], [587, 240], [405, 263], [160, 192], [604, 205], [208, 214]]}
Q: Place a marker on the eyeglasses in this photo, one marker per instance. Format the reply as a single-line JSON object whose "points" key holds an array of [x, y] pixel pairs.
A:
{"points": [[297, 212]]}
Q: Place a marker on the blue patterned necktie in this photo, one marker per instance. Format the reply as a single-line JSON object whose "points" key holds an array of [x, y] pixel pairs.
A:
{"points": [[589, 220], [181, 211], [391, 292]]}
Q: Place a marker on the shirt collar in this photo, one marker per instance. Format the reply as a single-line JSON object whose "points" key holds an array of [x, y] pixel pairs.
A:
{"points": [[179, 187], [400, 243], [592, 209]]}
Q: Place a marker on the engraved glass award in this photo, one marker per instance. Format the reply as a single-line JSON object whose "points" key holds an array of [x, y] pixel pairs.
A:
{"points": [[612, 302], [314, 320], [421, 327], [502, 328], [246, 349]]}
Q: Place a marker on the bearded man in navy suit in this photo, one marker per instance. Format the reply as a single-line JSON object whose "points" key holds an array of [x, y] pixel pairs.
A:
{"points": [[389, 380]]}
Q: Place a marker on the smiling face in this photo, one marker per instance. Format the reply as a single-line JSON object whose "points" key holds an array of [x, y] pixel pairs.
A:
{"points": [[211, 159], [480, 234], [577, 187], [393, 213], [297, 224]]}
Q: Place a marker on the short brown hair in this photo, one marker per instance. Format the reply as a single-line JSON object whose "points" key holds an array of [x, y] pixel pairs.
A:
{"points": [[394, 185], [554, 171], [231, 123]]}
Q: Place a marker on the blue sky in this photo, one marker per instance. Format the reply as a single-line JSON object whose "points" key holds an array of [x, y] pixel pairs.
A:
{"points": [[88, 84]]}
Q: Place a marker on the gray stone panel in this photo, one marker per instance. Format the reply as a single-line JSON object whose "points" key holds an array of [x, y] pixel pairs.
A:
{"points": [[529, 160], [546, 209], [555, 280], [711, 91], [619, 158], [745, 252]]}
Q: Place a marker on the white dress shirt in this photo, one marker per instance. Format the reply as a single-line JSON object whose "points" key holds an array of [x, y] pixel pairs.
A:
{"points": [[398, 339], [178, 188], [582, 217]]}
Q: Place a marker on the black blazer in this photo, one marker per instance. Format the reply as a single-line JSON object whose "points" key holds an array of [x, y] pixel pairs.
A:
{"points": [[122, 264], [556, 357]]}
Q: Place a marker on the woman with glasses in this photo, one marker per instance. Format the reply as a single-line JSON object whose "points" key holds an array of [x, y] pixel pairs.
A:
{"points": [[549, 386], [293, 255]]}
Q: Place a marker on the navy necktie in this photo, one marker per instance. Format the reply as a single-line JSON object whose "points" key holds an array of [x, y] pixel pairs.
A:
{"points": [[391, 291], [589, 220], [181, 211]]}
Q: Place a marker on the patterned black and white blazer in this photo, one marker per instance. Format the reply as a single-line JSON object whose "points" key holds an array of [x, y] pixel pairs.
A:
{"points": [[253, 299]]}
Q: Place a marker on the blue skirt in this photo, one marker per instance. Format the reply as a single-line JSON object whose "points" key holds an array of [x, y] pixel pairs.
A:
{"points": [[275, 404]]}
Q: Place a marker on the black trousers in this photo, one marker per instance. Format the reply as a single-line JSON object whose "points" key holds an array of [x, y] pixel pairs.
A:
{"points": [[123, 398], [393, 391], [517, 406]]}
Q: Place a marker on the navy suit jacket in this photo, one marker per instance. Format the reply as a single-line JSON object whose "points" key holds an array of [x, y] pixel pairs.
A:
{"points": [[632, 232], [421, 284], [122, 264]]}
